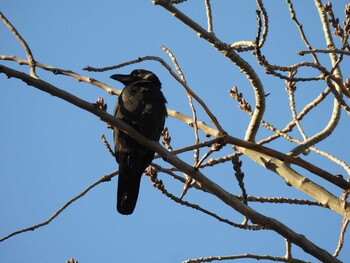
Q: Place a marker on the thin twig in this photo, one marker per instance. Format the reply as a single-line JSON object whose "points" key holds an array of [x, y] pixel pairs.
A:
{"points": [[166, 139], [65, 72], [288, 255], [344, 226], [325, 51], [103, 179], [31, 61], [106, 144], [291, 89], [195, 146], [214, 148], [237, 164], [212, 162], [341, 237], [301, 30], [160, 186], [332, 158], [244, 256], [189, 96], [266, 23], [300, 116], [280, 200], [209, 16], [258, 32]]}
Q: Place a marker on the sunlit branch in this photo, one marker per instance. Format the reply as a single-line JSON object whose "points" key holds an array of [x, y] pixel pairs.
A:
{"points": [[189, 96], [345, 225], [329, 156], [209, 15], [291, 89], [335, 116], [230, 53], [65, 72], [301, 30], [31, 61]]}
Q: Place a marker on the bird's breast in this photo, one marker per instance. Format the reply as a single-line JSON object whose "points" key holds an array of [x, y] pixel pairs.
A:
{"points": [[142, 102]]}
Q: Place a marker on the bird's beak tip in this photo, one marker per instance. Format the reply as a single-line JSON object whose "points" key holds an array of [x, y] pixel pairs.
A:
{"points": [[113, 76]]}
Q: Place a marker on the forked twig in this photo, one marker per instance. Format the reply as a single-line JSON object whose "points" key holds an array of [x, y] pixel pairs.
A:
{"points": [[301, 30], [31, 61], [152, 173]]}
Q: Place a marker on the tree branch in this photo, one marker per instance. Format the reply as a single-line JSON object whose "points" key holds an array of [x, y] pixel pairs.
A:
{"points": [[334, 120], [228, 52], [325, 51], [104, 178], [31, 61], [244, 256]]}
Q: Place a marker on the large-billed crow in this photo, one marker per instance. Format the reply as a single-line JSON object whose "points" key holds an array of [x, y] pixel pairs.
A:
{"points": [[142, 105]]}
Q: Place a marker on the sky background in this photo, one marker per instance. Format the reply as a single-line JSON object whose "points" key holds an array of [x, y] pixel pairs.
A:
{"points": [[50, 151]]}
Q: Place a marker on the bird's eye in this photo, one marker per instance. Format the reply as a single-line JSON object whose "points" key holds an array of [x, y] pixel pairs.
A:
{"points": [[135, 73]]}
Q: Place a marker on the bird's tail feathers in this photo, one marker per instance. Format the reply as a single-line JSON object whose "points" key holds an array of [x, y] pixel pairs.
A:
{"points": [[128, 188]]}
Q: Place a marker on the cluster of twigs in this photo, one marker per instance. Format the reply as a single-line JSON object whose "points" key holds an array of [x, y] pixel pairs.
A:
{"points": [[193, 175]]}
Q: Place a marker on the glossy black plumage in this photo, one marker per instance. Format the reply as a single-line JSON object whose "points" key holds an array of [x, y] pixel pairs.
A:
{"points": [[142, 105]]}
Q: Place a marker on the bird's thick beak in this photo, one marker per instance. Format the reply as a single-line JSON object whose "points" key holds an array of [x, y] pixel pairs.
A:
{"points": [[125, 79]]}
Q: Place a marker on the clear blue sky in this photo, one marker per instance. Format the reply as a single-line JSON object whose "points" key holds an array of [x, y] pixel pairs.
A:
{"points": [[50, 151]]}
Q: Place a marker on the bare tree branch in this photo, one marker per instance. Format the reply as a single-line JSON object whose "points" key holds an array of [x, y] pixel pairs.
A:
{"points": [[103, 179], [209, 16], [160, 186], [324, 51], [244, 256], [333, 122], [31, 61], [301, 30], [189, 96], [228, 52]]}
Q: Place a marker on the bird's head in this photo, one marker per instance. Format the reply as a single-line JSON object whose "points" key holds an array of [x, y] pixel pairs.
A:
{"points": [[136, 75]]}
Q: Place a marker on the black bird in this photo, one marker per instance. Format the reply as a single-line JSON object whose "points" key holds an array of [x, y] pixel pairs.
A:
{"points": [[142, 105]]}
